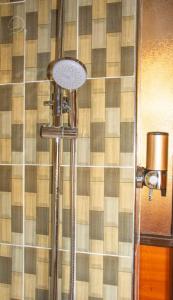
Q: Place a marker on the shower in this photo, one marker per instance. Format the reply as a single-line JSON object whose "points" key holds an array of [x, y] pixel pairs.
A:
{"points": [[69, 74]]}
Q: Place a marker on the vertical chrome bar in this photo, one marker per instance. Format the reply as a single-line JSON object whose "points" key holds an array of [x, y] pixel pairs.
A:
{"points": [[56, 172], [73, 220], [55, 222], [73, 124]]}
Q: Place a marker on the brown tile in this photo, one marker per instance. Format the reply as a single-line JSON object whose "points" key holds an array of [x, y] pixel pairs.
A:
{"points": [[127, 61], [5, 178], [84, 95], [97, 137], [110, 270], [96, 227], [30, 260], [70, 53], [31, 96], [17, 68], [5, 270], [111, 182], [54, 21], [17, 219], [5, 97], [66, 224], [42, 294], [85, 20], [83, 181], [32, 26], [6, 35], [31, 179], [43, 60], [17, 138], [113, 92], [125, 227], [126, 137], [65, 296], [82, 267], [114, 17], [98, 59], [42, 220], [42, 143]]}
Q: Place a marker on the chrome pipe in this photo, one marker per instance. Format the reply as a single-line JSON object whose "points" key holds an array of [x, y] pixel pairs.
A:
{"points": [[55, 222], [73, 220], [52, 132]]}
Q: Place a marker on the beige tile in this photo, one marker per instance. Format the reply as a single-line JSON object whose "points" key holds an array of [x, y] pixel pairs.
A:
{"points": [[5, 57], [128, 31], [99, 34], [30, 206], [43, 11], [125, 285], [18, 43], [96, 283], [17, 282], [127, 107], [113, 69], [97, 196], [5, 288], [85, 48], [126, 203], [111, 240], [84, 122], [17, 110], [70, 36], [113, 54], [82, 290], [43, 39], [112, 122], [83, 209], [98, 108], [31, 54], [99, 9], [5, 150], [112, 151]]}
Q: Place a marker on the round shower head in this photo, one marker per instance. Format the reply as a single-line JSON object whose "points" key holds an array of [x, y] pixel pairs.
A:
{"points": [[69, 73]]}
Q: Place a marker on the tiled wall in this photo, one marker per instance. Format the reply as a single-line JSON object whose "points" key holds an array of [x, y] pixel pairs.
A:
{"points": [[102, 34]]}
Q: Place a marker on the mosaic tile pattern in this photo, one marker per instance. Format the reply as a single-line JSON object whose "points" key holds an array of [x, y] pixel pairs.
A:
{"points": [[11, 204], [106, 123], [107, 37], [41, 24], [103, 277], [12, 22], [104, 210], [37, 150], [101, 33], [37, 274], [38, 189], [11, 123], [11, 276]]}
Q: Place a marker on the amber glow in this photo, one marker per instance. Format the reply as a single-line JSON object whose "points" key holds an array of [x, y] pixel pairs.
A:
{"points": [[156, 105]]}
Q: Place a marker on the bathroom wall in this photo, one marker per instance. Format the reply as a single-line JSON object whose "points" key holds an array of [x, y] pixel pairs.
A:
{"points": [[102, 34]]}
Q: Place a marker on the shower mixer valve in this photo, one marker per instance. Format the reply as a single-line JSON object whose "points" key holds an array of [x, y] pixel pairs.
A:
{"points": [[154, 176]]}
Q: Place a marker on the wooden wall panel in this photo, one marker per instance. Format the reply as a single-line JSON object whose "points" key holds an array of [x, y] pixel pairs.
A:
{"points": [[155, 273]]}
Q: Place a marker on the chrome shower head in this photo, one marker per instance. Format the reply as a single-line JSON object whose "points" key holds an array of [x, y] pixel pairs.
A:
{"points": [[69, 73]]}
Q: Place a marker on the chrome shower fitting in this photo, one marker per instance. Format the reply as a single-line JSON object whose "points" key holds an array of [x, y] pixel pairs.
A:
{"points": [[69, 74]]}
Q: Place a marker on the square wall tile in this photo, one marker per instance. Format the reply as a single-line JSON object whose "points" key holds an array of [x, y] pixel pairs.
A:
{"points": [[11, 277], [38, 191], [11, 203], [41, 32], [12, 20], [12, 122], [37, 273], [38, 150]]}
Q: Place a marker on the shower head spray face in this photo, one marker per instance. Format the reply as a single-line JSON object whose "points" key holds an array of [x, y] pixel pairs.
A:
{"points": [[69, 73]]}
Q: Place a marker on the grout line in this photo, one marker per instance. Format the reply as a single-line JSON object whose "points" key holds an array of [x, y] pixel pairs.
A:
{"points": [[65, 250], [15, 2], [68, 165], [47, 81]]}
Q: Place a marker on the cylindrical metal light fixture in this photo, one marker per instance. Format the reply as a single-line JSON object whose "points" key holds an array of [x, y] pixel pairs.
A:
{"points": [[157, 151]]}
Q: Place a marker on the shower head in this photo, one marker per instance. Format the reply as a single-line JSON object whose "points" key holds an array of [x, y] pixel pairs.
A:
{"points": [[69, 73]]}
